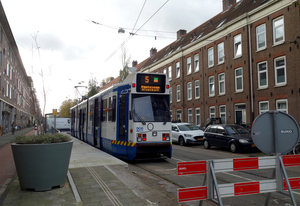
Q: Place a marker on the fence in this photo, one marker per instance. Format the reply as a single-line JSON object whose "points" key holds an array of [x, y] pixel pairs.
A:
{"points": [[212, 190]]}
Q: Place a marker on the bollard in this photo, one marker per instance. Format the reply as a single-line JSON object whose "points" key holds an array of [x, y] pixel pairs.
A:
{"points": [[35, 129]]}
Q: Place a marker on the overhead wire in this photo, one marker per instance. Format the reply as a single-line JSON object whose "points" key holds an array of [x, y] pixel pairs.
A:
{"points": [[139, 15], [132, 34]]}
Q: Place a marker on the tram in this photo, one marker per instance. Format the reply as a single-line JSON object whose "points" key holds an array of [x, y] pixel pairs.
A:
{"points": [[129, 120]]}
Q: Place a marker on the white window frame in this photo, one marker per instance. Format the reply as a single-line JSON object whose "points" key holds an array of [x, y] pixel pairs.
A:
{"points": [[177, 70], [178, 93], [7, 90], [165, 71], [260, 107], [261, 34], [210, 57], [222, 113], [8, 70], [198, 116], [278, 101], [190, 115], [189, 90], [276, 71], [170, 72], [197, 89], [259, 72], [236, 79], [277, 27], [221, 56], [237, 46], [211, 86], [212, 112], [189, 65], [196, 62], [221, 83]]}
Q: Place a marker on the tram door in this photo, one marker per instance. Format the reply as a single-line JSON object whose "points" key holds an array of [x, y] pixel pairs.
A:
{"points": [[80, 124], [95, 123], [122, 123]]}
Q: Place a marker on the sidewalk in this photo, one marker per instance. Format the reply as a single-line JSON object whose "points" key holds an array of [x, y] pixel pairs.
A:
{"points": [[92, 180]]}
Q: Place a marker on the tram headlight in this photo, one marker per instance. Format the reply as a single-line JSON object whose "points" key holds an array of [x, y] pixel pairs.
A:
{"points": [[139, 139]]}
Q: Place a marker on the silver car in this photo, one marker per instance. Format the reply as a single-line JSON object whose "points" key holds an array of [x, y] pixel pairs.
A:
{"points": [[186, 133]]}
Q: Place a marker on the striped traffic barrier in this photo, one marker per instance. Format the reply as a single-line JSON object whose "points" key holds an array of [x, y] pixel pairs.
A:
{"points": [[210, 167]]}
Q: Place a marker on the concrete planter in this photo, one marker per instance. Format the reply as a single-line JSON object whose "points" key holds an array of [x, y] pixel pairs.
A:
{"points": [[41, 167]]}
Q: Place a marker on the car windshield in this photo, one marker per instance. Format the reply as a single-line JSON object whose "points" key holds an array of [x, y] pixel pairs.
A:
{"points": [[151, 108], [187, 127], [236, 130]]}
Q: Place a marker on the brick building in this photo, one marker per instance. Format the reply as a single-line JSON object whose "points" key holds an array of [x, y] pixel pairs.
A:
{"points": [[236, 65], [18, 101]]}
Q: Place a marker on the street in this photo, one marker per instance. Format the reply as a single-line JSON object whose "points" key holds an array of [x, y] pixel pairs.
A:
{"points": [[167, 170]]}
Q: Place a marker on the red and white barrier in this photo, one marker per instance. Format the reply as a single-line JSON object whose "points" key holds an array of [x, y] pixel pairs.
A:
{"points": [[235, 189], [35, 129]]}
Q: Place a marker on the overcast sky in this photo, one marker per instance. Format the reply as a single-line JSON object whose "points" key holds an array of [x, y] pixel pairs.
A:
{"points": [[72, 47]]}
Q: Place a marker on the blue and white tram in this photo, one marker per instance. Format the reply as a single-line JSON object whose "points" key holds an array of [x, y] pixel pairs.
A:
{"points": [[129, 120]]}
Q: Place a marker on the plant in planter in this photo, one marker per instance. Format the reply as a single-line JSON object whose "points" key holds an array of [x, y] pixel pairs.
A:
{"points": [[42, 161]]}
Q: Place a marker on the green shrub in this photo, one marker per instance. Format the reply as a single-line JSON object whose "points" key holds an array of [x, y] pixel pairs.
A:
{"points": [[41, 139]]}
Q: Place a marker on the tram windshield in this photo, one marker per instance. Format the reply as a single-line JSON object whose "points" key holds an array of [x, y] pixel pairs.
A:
{"points": [[150, 108]]}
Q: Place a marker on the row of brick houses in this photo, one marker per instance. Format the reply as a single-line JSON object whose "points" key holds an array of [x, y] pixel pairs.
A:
{"points": [[18, 101], [238, 64]]}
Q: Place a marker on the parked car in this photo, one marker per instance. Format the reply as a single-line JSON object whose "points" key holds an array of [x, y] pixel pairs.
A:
{"points": [[186, 133], [234, 137]]}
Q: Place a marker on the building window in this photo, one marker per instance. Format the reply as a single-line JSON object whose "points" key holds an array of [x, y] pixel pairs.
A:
{"points": [[282, 105], [196, 63], [278, 30], [7, 90], [222, 110], [197, 89], [221, 53], [190, 116], [280, 73], [263, 106], [170, 73], [170, 94], [178, 93], [212, 112], [189, 90], [237, 45], [261, 37], [8, 69], [221, 84], [188, 66], [165, 71], [211, 86], [239, 80], [210, 54], [262, 72], [0, 57], [178, 115], [198, 119], [177, 69]]}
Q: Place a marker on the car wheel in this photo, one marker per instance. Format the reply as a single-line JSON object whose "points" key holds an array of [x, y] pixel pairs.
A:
{"points": [[181, 141], [233, 147], [206, 144]]}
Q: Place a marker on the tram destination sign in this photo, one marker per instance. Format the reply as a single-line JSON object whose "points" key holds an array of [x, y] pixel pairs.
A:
{"points": [[150, 83]]}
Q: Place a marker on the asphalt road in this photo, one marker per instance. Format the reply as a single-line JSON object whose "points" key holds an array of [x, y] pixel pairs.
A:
{"points": [[166, 169]]}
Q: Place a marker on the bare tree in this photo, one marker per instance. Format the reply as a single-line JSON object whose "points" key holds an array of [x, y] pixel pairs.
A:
{"points": [[41, 72], [125, 60]]}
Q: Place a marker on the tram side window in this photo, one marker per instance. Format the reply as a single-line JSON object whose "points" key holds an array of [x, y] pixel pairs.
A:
{"points": [[104, 106], [91, 112], [112, 109]]}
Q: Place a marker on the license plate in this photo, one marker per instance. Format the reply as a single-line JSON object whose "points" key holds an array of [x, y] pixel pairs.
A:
{"points": [[200, 138]]}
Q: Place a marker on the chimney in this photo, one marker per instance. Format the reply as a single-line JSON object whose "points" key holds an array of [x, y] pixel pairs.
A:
{"points": [[227, 4], [180, 33], [134, 63], [153, 51]]}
